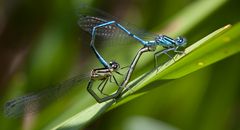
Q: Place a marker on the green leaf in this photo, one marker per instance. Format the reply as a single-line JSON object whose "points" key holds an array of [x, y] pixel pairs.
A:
{"points": [[84, 116], [216, 46]]}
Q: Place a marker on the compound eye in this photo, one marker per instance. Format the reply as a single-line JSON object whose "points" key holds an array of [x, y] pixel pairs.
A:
{"points": [[181, 41], [114, 65]]}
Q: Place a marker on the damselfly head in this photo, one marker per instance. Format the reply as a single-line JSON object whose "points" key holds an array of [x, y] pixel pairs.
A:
{"points": [[181, 41], [114, 65]]}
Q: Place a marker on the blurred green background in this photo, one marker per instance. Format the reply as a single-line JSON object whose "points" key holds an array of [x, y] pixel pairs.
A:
{"points": [[41, 43]]}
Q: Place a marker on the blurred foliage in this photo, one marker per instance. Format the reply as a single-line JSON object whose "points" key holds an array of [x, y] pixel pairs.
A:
{"points": [[40, 44]]}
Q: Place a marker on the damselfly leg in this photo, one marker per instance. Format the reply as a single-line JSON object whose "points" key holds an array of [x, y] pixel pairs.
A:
{"points": [[105, 75]]}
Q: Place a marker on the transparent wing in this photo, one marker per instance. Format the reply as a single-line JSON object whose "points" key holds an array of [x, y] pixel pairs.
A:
{"points": [[90, 17], [110, 31], [34, 102]]}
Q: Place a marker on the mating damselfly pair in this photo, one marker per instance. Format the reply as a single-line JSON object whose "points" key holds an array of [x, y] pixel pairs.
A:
{"points": [[99, 23]]}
